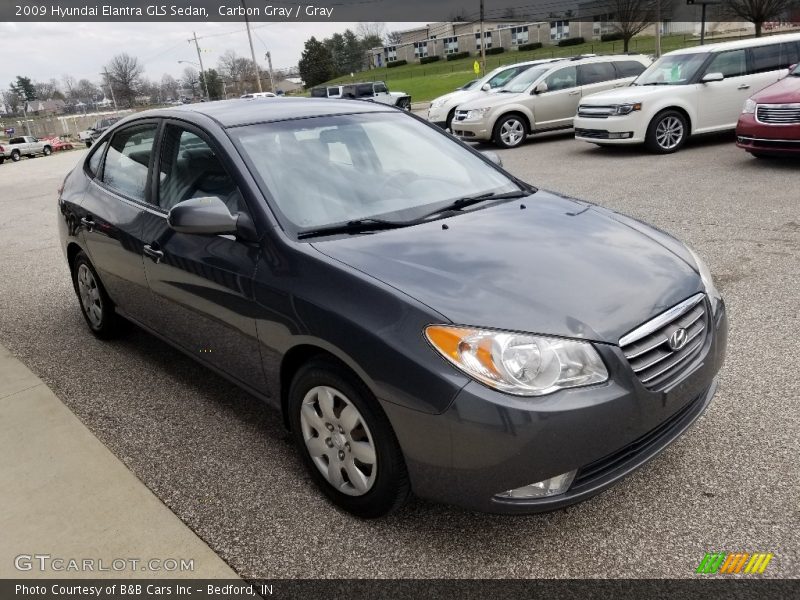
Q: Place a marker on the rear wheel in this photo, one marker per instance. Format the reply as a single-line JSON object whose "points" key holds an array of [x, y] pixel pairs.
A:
{"points": [[346, 441], [15, 156], [667, 132], [96, 306], [47, 151], [510, 131]]}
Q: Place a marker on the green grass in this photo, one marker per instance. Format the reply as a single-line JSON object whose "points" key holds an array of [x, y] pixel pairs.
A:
{"points": [[426, 82]]}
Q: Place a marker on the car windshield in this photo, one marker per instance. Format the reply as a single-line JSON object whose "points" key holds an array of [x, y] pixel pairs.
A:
{"points": [[337, 169], [674, 69], [796, 71], [524, 80], [506, 75]]}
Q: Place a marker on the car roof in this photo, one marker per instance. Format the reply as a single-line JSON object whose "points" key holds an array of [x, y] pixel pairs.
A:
{"points": [[737, 44], [233, 113]]}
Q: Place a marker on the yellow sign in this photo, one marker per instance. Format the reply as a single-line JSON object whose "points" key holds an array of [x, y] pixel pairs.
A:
{"points": [[476, 67]]}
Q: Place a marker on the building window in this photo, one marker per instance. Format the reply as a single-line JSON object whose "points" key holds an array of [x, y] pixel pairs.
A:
{"points": [[487, 40], [420, 49], [559, 30], [450, 45], [602, 24], [391, 53], [519, 35]]}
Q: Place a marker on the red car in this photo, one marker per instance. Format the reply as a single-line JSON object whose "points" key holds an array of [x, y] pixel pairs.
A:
{"points": [[770, 122]]}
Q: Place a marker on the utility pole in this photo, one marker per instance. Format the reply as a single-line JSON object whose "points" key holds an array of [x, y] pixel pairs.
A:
{"points": [[252, 51], [200, 59], [111, 88], [483, 46], [658, 28], [271, 80]]}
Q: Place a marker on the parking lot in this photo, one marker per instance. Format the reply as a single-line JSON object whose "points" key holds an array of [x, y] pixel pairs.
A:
{"points": [[224, 464]]}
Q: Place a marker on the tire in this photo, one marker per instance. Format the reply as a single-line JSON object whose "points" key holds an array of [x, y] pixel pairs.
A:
{"points": [[96, 307], [2, 159], [88, 143], [47, 150], [667, 132], [379, 484], [510, 131], [15, 156], [448, 123]]}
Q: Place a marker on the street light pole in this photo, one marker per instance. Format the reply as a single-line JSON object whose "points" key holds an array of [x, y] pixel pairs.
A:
{"points": [[111, 88], [252, 50], [483, 45]]}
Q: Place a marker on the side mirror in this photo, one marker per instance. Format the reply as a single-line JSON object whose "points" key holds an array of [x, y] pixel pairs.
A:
{"points": [[202, 216], [709, 77], [486, 87], [493, 156], [541, 88]]}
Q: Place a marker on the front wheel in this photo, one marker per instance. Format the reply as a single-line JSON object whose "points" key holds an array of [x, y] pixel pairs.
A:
{"points": [[509, 132], [667, 132], [346, 441]]}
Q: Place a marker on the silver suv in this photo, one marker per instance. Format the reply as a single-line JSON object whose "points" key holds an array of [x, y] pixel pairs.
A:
{"points": [[543, 98]]}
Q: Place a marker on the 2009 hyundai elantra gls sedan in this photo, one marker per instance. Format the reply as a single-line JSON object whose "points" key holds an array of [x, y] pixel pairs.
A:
{"points": [[424, 321]]}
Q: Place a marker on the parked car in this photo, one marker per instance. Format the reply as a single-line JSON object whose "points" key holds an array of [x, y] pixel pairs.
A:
{"points": [[415, 313], [24, 145], [376, 91], [258, 95], [770, 121], [443, 109], [543, 98], [686, 92], [326, 91], [96, 130]]}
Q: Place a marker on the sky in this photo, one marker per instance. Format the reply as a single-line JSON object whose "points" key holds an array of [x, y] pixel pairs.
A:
{"points": [[52, 50]]}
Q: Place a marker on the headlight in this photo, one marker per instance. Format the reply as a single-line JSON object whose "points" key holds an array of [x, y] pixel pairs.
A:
{"points": [[705, 275], [476, 114], [749, 106], [518, 363], [626, 109]]}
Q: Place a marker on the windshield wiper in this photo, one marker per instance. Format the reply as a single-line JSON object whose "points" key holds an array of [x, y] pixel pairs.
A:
{"points": [[462, 203], [355, 226]]}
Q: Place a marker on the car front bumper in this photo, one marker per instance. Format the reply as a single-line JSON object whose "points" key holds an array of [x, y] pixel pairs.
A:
{"points": [[761, 137], [628, 129], [471, 131], [487, 442]]}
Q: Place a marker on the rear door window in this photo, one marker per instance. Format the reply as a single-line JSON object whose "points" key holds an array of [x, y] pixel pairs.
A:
{"points": [[629, 68], [562, 79], [731, 63], [128, 160], [595, 73]]}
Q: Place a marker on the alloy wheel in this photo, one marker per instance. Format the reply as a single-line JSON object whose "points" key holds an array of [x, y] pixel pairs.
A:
{"points": [[512, 132], [90, 296], [338, 440], [669, 132]]}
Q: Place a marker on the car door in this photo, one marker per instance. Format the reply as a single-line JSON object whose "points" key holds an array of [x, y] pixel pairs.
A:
{"points": [[720, 102], [557, 106], [597, 77], [201, 284], [111, 214]]}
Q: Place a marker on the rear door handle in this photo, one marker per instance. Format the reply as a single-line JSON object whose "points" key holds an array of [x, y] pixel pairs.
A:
{"points": [[88, 222], [575, 93], [156, 255], [744, 86]]}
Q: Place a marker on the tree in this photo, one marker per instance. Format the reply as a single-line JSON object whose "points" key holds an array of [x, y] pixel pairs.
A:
{"points": [[24, 88], [758, 12], [633, 16], [393, 38], [169, 87], [124, 74], [238, 71], [212, 81], [47, 90], [190, 79], [316, 64], [370, 30], [85, 90], [12, 100]]}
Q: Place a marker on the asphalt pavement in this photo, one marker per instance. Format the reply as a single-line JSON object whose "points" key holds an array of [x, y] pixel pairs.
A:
{"points": [[223, 463]]}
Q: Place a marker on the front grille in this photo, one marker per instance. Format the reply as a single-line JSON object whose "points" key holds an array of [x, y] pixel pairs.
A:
{"points": [[601, 468], [778, 114], [596, 112], [648, 348], [596, 134]]}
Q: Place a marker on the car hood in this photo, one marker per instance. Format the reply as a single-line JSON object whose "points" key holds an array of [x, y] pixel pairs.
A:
{"points": [[633, 93], [557, 266], [498, 98], [787, 90], [461, 96]]}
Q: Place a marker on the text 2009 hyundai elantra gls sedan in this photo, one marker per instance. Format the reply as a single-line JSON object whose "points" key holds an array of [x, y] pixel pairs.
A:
{"points": [[423, 320]]}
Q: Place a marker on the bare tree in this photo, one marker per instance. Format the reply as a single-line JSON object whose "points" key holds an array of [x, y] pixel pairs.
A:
{"points": [[758, 12], [366, 30], [393, 38], [169, 87], [190, 79], [68, 82], [631, 17], [124, 73], [85, 90]]}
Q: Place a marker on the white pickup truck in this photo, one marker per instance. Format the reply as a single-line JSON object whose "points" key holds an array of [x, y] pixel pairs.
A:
{"points": [[24, 145]]}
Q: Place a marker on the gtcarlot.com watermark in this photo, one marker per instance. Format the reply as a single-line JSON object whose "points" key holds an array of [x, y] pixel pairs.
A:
{"points": [[46, 563]]}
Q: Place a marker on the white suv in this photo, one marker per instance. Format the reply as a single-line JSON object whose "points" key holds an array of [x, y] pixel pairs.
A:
{"points": [[686, 92], [543, 98]]}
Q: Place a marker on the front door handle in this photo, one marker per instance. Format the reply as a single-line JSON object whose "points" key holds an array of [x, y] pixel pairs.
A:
{"points": [[88, 222], [156, 255], [575, 93], [744, 86]]}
